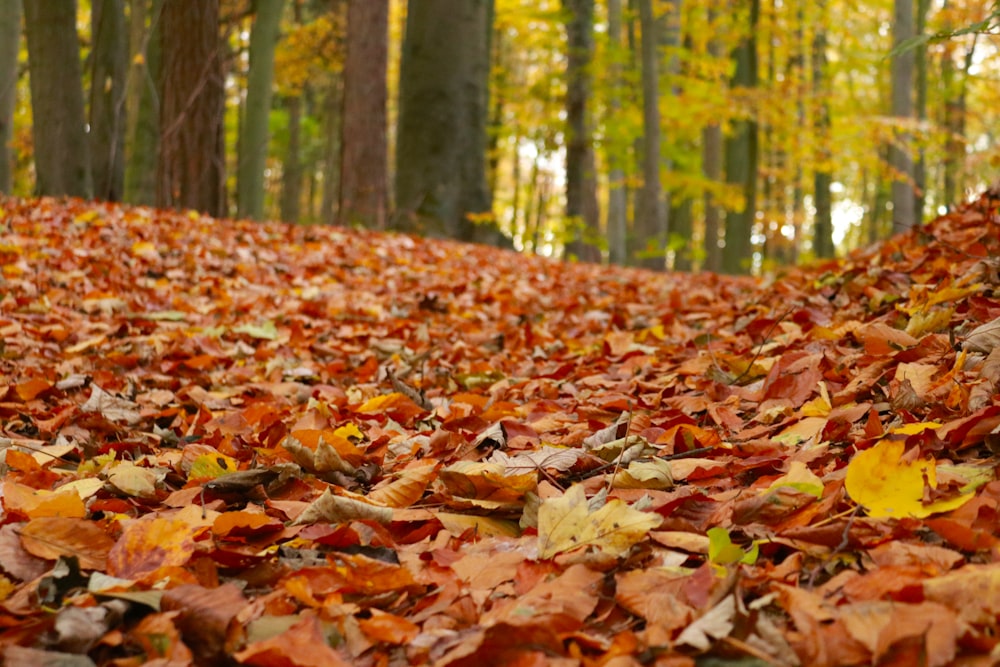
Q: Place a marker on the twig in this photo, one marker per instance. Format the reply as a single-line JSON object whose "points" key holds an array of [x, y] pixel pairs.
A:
{"points": [[618, 461]]}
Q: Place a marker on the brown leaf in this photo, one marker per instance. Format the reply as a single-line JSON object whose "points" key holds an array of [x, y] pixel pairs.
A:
{"points": [[52, 537]]}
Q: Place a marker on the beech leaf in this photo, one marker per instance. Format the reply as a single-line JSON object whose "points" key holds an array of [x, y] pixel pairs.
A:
{"points": [[886, 486]]}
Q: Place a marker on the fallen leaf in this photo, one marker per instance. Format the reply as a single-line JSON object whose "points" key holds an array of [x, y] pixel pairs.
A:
{"points": [[887, 486], [567, 522]]}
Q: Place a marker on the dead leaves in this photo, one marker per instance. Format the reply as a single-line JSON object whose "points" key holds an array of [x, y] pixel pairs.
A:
{"points": [[571, 522], [298, 446]]}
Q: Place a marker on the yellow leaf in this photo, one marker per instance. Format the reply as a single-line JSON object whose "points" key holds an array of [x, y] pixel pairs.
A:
{"points": [[652, 474], [145, 249], [567, 522], [819, 406], [210, 466], [722, 551], [889, 487], [913, 429], [925, 323], [800, 478], [349, 431], [456, 524]]}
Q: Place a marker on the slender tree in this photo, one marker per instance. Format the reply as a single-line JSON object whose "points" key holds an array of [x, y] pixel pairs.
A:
{"points": [[332, 117], [364, 170], [254, 128], [955, 78], [109, 64], [822, 174], [581, 187], [291, 166], [649, 223], [142, 104], [904, 214], [62, 154], [711, 165], [741, 152], [191, 169], [617, 220], [10, 31], [920, 108]]}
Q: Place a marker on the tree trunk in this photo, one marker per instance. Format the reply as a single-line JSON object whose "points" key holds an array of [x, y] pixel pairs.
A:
{"points": [[741, 156], [291, 174], [955, 110], [904, 215], [191, 169], [143, 102], [255, 128], [10, 33], [711, 160], [617, 221], [581, 188], [671, 235], [682, 227], [330, 203], [711, 167], [441, 128], [822, 174], [920, 56], [109, 63], [363, 174], [649, 251], [62, 155]]}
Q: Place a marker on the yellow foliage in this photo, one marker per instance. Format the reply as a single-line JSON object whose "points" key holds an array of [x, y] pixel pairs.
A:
{"points": [[887, 486]]}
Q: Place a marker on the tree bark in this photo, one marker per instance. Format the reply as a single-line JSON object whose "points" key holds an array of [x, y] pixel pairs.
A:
{"points": [[191, 169], [441, 129], [10, 33], [649, 224], [291, 173], [823, 171], [109, 64], [904, 214], [255, 128], [364, 167], [581, 187], [617, 220], [711, 167], [741, 156], [143, 102], [955, 111], [920, 65], [711, 160], [62, 154]]}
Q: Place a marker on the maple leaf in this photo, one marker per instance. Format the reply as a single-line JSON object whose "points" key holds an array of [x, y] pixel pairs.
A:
{"points": [[569, 522]]}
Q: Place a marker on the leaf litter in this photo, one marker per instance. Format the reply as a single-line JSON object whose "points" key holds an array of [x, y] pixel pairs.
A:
{"points": [[259, 444]]}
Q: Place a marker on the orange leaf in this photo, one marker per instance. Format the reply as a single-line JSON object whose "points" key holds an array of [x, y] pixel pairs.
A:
{"points": [[302, 645], [55, 536], [32, 388], [238, 524], [389, 628], [150, 543], [35, 503]]}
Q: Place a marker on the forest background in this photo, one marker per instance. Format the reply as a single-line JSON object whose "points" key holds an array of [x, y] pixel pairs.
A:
{"points": [[688, 134]]}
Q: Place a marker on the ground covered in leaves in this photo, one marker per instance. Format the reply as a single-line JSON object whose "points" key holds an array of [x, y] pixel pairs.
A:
{"points": [[231, 443]]}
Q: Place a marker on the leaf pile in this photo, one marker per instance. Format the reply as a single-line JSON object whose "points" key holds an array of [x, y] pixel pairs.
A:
{"points": [[257, 444]]}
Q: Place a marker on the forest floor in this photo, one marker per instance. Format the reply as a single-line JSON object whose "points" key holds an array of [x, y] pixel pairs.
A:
{"points": [[261, 444]]}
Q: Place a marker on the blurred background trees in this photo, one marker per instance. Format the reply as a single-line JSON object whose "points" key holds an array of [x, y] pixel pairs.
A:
{"points": [[689, 134]]}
